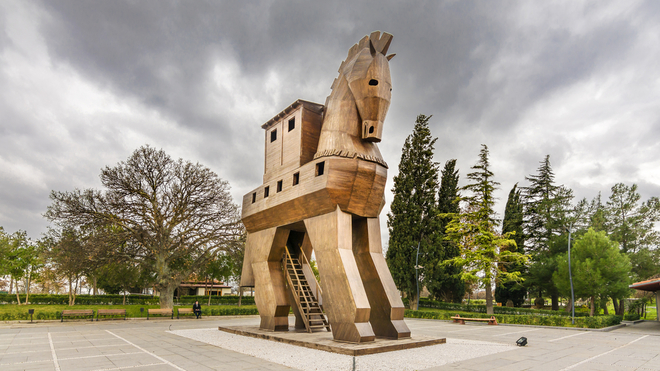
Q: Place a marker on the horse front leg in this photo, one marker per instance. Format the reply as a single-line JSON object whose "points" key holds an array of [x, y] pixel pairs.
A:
{"points": [[264, 250], [344, 299], [387, 309]]}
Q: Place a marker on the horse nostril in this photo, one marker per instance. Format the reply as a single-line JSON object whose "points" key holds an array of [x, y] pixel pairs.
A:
{"points": [[371, 130], [373, 82]]}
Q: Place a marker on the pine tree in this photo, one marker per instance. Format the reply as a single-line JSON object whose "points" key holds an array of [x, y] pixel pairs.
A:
{"points": [[412, 217], [442, 281], [483, 250], [513, 223], [545, 219], [630, 222]]}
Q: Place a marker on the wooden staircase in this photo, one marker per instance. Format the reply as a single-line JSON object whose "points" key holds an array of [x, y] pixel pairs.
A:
{"points": [[307, 304]]}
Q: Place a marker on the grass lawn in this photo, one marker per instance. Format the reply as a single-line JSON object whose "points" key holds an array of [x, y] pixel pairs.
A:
{"points": [[9, 312]]}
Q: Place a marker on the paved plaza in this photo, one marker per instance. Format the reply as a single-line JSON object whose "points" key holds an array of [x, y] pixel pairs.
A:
{"points": [[80, 345]]}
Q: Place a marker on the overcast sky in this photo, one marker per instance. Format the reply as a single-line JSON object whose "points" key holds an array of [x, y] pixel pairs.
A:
{"points": [[85, 83]]}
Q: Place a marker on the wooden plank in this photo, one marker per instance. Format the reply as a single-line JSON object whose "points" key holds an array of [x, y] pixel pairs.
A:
{"points": [[324, 341]]}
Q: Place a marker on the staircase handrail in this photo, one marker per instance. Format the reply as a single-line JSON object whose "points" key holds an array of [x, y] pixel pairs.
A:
{"points": [[318, 285]]}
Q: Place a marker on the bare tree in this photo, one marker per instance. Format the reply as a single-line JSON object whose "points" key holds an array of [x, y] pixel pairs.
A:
{"points": [[172, 215]]}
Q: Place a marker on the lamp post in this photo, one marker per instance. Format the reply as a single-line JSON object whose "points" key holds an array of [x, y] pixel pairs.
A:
{"points": [[416, 273], [570, 276]]}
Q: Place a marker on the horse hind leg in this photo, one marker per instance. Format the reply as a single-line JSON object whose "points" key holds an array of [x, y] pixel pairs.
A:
{"points": [[387, 309], [264, 251], [344, 299]]}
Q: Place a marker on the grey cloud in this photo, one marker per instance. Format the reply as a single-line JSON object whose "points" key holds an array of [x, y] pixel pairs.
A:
{"points": [[164, 57]]}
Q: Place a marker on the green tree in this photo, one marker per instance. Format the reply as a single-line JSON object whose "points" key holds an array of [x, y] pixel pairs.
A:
{"points": [[546, 210], [512, 224], [441, 280], [69, 256], [484, 252], [599, 269], [21, 260], [4, 250], [413, 209], [175, 215], [631, 223], [118, 277], [221, 268], [597, 215]]}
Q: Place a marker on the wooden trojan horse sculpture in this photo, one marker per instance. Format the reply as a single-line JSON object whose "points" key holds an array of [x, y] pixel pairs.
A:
{"points": [[323, 190]]}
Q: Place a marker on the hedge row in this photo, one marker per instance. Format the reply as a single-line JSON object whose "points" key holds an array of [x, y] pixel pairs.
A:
{"points": [[80, 299], [427, 303], [51, 313], [221, 300], [119, 299], [562, 321]]}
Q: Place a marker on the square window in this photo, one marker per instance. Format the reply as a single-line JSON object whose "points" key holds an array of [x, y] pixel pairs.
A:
{"points": [[254, 197], [292, 124], [273, 135], [266, 191], [320, 168], [296, 178], [279, 186]]}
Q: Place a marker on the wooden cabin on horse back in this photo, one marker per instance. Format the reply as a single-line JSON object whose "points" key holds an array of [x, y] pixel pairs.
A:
{"points": [[323, 190]]}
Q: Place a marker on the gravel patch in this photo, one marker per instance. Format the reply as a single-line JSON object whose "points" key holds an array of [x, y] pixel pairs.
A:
{"points": [[454, 350]]}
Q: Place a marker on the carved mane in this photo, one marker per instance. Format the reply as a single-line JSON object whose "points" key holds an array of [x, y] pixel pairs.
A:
{"points": [[379, 43]]}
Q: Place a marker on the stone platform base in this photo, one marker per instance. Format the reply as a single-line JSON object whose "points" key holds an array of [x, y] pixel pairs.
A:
{"points": [[323, 340]]}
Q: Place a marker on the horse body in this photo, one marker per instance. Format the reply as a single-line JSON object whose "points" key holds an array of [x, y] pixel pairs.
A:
{"points": [[333, 210]]}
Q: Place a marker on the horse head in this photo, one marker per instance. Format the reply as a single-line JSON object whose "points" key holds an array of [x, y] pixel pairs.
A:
{"points": [[368, 77]]}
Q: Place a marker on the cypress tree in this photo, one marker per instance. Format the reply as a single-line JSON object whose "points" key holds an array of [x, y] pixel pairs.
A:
{"points": [[412, 216], [443, 281], [546, 205], [513, 223]]}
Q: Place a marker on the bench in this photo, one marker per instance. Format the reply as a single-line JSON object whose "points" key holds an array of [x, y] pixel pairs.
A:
{"points": [[77, 313], [458, 319], [110, 312], [185, 311], [162, 312]]}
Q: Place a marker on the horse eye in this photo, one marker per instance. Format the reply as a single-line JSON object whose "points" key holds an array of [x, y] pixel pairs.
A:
{"points": [[373, 82]]}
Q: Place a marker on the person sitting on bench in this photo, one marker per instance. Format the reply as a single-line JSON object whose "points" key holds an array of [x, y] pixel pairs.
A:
{"points": [[197, 309]]}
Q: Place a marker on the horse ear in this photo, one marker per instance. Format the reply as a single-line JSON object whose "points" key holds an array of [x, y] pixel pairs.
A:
{"points": [[389, 57], [372, 49]]}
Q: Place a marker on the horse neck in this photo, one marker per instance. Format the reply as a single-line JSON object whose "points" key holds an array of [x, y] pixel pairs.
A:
{"points": [[341, 114]]}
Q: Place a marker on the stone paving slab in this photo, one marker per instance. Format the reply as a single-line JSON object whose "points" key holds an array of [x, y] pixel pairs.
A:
{"points": [[146, 346]]}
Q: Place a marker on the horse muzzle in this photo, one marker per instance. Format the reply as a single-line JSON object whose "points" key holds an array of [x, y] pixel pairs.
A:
{"points": [[372, 131]]}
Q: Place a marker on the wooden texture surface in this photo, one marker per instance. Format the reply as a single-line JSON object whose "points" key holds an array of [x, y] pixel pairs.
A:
{"points": [[387, 309], [323, 341], [346, 301], [326, 181]]}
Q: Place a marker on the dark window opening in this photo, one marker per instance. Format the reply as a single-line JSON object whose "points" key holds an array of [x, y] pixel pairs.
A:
{"points": [[371, 130], [373, 82], [320, 167], [254, 197], [296, 178], [292, 124], [266, 191], [279, 186], [273, 135]]}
